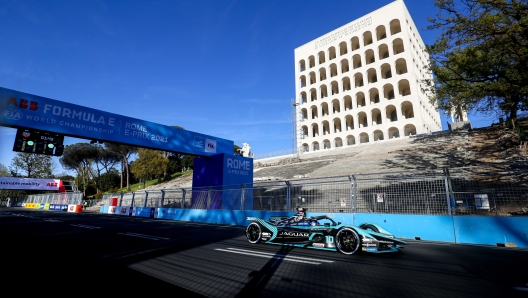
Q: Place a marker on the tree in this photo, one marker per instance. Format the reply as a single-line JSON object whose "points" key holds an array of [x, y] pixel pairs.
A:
{"points": [[125, 151], [32, 165], [187, 162], [103, 160], [479, 60], [79, 157], [4, 172], [149, 164], [109, 180]]}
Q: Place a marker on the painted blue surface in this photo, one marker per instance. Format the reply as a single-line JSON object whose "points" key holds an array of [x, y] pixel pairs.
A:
{"points": [[492, 230], [231, 217], [58, 207], [23, 110], [224, 174], [456, 229], [426, 227], [144, 212]]}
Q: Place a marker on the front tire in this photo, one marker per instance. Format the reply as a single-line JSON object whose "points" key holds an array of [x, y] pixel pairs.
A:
{"points": [[253, 232], [347, 241]]}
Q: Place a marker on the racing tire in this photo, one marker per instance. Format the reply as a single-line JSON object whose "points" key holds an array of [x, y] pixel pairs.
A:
{"points": [[253, 233], [369, 227], [347, 241]]}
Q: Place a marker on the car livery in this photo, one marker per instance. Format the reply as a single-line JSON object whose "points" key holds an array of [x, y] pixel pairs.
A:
{"points": [[321, 232]]}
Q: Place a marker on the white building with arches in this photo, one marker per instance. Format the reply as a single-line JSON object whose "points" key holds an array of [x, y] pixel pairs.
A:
{"points": [[360, 83]]}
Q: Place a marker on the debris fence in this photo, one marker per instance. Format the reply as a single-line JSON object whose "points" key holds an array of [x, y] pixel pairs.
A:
{"points": [[490, 190]]}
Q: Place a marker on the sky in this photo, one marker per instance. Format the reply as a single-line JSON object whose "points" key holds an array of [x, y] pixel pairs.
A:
{"points": [[223, 68]]}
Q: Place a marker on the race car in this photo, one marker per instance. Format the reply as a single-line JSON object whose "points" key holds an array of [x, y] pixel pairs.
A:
{"points": [[321, 232]]}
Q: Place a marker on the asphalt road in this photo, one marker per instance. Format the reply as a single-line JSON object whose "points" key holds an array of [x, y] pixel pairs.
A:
{"points": [[91, 253]]}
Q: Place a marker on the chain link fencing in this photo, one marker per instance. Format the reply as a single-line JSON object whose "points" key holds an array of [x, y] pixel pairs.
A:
{"points": [[491, 190]]}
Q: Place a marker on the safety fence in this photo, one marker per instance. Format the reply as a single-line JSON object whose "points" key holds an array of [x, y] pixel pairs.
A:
{"points": [[63, 198], [491, 190]]}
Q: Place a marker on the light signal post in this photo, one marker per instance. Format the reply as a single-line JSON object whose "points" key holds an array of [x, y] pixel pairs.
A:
{"points": [[38, 142]]}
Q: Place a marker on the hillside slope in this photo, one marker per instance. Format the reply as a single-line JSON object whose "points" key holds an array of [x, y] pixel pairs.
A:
{"points": [[494, 144]]}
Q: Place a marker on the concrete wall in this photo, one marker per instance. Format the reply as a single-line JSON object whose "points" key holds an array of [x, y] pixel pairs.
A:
{"points": [[487, 230]]}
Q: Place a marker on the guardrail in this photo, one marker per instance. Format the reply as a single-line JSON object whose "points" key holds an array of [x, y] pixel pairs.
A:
{"points": [[63, 198]]}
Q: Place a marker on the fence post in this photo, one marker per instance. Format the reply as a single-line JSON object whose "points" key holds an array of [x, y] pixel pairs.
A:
{"points": [[208, 198], [183, 199], [494, 202], [288, 198], [353, 193], [133, 199], [162, 197], [448, 188], [242, 197], [121, 198], [146, 198]]}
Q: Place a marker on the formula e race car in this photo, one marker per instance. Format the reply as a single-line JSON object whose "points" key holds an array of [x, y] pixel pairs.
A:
{"points": [[321, 232]]}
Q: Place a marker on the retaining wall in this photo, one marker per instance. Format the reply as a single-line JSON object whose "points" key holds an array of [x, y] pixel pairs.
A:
{"points": [[496, 231]]}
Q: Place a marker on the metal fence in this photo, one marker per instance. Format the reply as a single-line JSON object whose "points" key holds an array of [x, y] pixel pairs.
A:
{"points": [[68, 198], [492, 190]]}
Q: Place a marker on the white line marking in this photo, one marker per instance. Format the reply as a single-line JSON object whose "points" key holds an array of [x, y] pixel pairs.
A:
{"points": [[275, 256], [143, 236], [86, 227]]}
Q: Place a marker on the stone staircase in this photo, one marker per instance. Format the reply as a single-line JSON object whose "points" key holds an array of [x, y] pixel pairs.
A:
{"points": [[493, 144], [431, 151]]}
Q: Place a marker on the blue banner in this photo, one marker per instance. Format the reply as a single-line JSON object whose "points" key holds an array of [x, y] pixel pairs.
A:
{"points": [[58, 207], [22, 110]]}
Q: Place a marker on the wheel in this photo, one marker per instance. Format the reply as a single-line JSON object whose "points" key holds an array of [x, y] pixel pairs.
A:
{"points": [[369, 227], [347, 241], [253, 232]]}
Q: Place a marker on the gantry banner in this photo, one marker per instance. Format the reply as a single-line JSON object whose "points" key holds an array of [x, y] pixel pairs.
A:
{"points": [[23, 110]]}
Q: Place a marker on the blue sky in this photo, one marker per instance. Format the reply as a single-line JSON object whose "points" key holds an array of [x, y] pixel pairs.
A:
{"points": [[221, 68]]}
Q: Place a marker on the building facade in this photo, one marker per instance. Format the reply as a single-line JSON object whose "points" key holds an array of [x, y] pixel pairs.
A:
{"points": [[360, 83]]}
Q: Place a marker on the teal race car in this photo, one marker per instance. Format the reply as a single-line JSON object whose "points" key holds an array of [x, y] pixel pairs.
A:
{"points": [[321, 232]]}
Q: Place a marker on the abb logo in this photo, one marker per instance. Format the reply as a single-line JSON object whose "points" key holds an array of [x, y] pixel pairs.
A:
{"points": [[23, 104], [53, 184]]}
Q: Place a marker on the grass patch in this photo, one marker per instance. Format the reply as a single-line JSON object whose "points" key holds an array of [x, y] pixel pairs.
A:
{"points": [[141, 186]]}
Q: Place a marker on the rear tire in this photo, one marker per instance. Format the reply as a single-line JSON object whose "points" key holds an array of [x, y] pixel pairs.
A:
{"points": [[253, 232], [347, 241]]}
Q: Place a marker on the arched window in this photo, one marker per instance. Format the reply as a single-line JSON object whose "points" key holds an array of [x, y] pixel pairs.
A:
{"points": [[394, 116]]}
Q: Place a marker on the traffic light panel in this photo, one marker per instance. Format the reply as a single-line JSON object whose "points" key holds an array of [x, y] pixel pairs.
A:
{"points": [[38, 142], [30, 146], [39, 147], [50, 148], [19, 144], [58, 150]]}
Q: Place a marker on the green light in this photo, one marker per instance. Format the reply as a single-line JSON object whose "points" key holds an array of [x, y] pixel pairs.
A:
{"points": [[30, 143], [51, 145]]}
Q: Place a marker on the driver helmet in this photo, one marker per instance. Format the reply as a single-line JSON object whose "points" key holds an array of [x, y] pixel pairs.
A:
{"points": [[301, 214]]}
